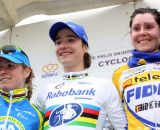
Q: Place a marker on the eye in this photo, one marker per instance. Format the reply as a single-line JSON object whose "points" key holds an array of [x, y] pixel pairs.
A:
{"points": [[70, 40], [149, 26], [57, 42], [136, 28], [11, 66]]}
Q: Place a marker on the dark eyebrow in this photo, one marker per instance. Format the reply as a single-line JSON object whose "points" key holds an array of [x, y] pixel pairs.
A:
{"points": [[7, 62], [68, 36]]}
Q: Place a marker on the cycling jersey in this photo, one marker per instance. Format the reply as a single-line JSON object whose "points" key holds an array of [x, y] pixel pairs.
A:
{"points": [[16, 113], [80, 102], [139, 87]]}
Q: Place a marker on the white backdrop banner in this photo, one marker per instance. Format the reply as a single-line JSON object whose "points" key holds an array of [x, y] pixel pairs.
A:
{"points": [[105, 62]]}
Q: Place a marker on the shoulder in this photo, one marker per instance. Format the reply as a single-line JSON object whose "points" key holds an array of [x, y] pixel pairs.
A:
{"points": [[51, 86], [29, 106], [96, 79], [40, 115], [100, 82], [117, 73], [121, 69]]}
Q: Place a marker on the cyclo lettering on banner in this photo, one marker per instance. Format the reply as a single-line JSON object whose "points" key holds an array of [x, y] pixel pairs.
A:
{"points": [[108, 59]]}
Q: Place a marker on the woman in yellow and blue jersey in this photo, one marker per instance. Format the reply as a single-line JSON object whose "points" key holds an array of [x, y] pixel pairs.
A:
{"points": [[138, 82]]}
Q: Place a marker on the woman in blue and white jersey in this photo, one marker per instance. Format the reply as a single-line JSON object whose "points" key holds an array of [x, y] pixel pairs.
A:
{"points": [[78, 101]]}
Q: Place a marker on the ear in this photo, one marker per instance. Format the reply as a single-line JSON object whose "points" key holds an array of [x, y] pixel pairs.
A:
{"points": [[85, 48], [27, 72]]}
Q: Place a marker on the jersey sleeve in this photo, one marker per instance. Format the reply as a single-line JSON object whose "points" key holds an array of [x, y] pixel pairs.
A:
{"points": [[40, 115], [39, 100], [116, 78], [115, 110]]}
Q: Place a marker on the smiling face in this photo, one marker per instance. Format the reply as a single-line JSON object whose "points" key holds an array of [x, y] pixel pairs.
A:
{"points": [[12, 75], [70, 50], [145, 33]]}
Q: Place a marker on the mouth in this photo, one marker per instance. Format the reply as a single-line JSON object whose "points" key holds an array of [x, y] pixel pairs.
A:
{"points": [[65, 53], [144, 40], [4, 79]]}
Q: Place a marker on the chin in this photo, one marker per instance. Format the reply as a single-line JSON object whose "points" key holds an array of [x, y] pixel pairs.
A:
{"points": [[67, 65], [66, 62], [145, 50], [6, 88]]}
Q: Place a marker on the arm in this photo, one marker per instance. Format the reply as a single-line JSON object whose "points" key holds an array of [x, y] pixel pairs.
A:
{"points": [[115, 110], [38, 100], [116, 78], [108, 125]]}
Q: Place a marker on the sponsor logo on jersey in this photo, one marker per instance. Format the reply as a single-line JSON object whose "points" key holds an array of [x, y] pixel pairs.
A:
{"points": [[142, 78], [142, 92], [64, 114], [71, 92], [71, 114], [59, 85], [144, 99], [134, 71], [12, 124], [147, 106]]}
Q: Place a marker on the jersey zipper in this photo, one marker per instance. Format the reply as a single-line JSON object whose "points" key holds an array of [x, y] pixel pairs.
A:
{"points": [[8, 111]]}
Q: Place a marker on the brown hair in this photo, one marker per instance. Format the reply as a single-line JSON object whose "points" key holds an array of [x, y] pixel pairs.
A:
{"points": [[154, 12], [86, 58], [28, 84]]}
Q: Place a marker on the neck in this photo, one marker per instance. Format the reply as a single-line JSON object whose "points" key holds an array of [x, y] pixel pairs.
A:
{"points": [[140, 58], [7, 89], [73, 69]]}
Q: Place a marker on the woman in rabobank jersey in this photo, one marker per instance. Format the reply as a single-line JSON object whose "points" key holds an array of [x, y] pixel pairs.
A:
{"points": [[78, 102], [138, 82]]}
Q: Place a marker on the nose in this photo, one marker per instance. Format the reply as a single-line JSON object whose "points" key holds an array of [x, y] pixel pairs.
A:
{"points": [[143, 31], [63, 45]]}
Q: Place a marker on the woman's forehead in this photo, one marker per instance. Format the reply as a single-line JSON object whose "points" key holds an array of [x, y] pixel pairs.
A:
{"points": [[65, 31], [146, 17], [4, 60]]}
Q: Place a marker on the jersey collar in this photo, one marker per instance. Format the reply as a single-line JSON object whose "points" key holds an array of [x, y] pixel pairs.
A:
{"points": [[16, 93], [75, 75]]}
